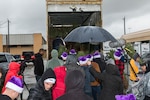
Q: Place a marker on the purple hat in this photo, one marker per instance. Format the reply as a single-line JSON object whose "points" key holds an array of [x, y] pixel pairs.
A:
{"points": [[72, 51], [64, 55], [89, 57], [120, 50], [117, 55], [125, 97], [15, 84], [96, 55], [82, 60]]}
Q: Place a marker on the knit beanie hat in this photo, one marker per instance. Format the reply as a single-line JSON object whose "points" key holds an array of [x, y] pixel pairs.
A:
{"points": [[15, 84], [48, 76], [64, 55], [72, 51], [96, 55]]}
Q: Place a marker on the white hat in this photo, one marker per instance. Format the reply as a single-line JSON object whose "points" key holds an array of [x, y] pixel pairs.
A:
{"points": [[82, 60], [51, 80], [15, 84], [96, 55]]}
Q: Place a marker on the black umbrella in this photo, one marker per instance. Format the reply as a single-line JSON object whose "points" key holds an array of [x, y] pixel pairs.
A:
{"points": [[91, 34]]}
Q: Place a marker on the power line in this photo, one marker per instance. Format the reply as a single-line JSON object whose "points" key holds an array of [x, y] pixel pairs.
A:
{"points": [[3, 23]]}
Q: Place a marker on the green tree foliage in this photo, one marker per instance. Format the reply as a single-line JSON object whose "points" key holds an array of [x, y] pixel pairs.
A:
{"points": [[129, 49], [111, 54], [61, 50]]}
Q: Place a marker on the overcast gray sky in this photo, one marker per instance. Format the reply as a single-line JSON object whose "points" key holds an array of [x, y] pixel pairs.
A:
{"points": [[29, 16]]}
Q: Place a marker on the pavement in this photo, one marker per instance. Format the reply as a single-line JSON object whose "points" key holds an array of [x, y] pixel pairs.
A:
{"points": [[29, 79]]}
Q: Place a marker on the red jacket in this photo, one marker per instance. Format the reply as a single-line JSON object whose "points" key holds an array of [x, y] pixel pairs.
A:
{"points": [[14, 68], [59, 88], [120, 66]]}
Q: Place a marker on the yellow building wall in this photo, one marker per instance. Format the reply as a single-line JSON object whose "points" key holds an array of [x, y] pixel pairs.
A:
{"points": [[37, 41], [1, 43], [19, 49]]}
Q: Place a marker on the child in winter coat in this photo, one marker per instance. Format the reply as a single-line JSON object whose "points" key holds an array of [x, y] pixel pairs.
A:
{"points": [[42, 90], [14, 69]]}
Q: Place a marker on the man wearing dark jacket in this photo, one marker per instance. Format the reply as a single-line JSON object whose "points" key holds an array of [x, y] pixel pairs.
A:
{"points": [[38, 64], [112, 82]]}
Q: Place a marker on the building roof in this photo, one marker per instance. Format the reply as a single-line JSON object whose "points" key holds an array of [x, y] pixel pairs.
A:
{"points": [[19, 39], [143, 35]]}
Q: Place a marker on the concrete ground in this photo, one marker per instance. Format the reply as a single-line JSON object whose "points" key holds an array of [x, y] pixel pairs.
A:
{"points": [[29, 80]]}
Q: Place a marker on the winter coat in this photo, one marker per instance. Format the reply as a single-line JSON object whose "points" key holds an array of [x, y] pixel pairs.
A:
{"points": [[38, 65], [54, 61], [60, 87], [4, 97], [14, 69], [88, 79], [120, 66], [38, 92], [74, 66], [71, 63], [112, 82], [101, 63], [135, 68], [74, 87]]}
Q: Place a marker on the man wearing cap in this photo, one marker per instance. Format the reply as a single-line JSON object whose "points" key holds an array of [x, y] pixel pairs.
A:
{"points": [[119, 61], [41, 91], [13, 88], [96, 83], [99, 61], [64, 56], [83, 61]]}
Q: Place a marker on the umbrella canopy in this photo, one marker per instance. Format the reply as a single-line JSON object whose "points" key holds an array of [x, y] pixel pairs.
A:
{"points": [[91, 34]]}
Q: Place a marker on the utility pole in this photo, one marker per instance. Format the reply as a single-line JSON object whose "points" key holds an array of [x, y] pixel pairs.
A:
{"points": [[8, 38], [124, 20]]}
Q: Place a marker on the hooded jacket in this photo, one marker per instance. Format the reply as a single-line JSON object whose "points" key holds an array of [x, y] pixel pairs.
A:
{"points": [[112, 82], [71, 64], [38, 64], [14, 69], [54, 61], [75, 87], [60, 87], [38, 92]]}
